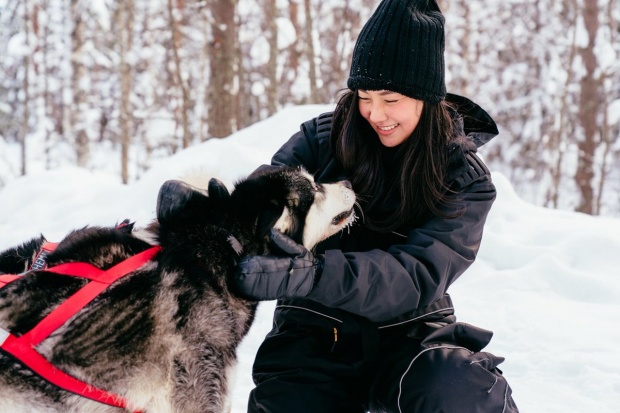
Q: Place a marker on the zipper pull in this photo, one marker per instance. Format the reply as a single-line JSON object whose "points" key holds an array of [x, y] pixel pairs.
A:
{"points": [[335, 340]]}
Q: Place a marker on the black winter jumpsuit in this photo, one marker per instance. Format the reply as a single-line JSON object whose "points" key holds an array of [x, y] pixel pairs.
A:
{"points": [[378, 332]]}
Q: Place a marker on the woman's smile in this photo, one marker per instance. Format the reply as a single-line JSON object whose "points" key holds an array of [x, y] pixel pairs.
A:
{"points": [[393, 116], [386, 129]]}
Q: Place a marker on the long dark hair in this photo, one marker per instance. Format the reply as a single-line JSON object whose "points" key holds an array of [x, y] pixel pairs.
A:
{"points": [[419, 166]]}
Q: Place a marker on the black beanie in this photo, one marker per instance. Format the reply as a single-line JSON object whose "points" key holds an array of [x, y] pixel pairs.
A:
{"points": [[401, 49]]}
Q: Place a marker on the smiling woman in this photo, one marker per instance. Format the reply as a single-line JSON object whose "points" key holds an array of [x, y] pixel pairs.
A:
{"points": [[393, 116], [376, 331]]}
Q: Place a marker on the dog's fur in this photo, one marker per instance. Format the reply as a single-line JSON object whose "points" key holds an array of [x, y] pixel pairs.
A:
{"points": [[19, 259], [165, 336]]}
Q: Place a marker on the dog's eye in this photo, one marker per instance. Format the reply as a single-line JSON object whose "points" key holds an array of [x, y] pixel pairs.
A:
{"points": [[320, 188]]}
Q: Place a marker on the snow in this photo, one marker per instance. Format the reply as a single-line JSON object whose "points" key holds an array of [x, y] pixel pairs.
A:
{"points": [[259, 52], [286, 33], [546, 282], [613, 112]]}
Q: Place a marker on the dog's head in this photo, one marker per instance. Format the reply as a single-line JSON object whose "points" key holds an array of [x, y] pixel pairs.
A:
{"points": [[289, 200], [284, 198]]}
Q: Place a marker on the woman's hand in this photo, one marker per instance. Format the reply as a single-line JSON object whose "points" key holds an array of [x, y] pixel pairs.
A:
{"points": [[269, 277]]}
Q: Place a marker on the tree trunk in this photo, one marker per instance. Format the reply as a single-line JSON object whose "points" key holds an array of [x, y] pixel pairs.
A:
{"points": [[185, 101], [271, 13], [24, 129], [78, 110], [606, 142], [126, 19], [557, 139], [589, 110], [470, 61], [243, 105], [47, 100], [295, 55], [310, 55], [607, 131], [221, 48]]}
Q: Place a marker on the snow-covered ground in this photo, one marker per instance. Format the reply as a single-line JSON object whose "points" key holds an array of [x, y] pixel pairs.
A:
{"points": [[547, 282]]}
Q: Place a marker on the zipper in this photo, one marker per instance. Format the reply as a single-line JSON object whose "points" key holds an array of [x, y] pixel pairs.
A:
{"points": [[335, 340]]}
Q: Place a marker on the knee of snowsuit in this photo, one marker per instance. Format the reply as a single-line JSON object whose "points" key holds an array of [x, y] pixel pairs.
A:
{"points": [[333, 361]]}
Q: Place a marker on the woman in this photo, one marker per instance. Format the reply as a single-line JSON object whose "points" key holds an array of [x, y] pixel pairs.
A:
{"points": [[375, 329]]}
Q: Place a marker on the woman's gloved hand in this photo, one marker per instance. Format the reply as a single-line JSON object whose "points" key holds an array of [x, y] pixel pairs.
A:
{"points": [[269, 277]]}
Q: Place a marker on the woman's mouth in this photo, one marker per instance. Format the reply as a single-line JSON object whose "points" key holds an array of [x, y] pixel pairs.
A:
{"points": [[385, 130]]}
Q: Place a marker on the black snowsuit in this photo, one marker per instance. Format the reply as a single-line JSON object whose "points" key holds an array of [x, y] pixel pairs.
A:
{"points": [[378, 330]]}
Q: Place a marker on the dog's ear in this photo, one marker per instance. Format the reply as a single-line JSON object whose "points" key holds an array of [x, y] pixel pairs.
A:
{"points": [[126, 226], [259, 194], [268, 218], [174, 197], [217, 190]]}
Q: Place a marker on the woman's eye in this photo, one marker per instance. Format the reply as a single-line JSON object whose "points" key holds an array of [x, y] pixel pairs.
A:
{"points": [[392, 101]]}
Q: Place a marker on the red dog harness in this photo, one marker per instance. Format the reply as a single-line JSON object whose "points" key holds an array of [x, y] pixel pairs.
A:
{"points": [[39, 263], [23, 347]]}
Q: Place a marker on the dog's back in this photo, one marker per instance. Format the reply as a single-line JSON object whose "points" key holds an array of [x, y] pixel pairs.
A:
{"points": [[75, 349], [171, 319]]}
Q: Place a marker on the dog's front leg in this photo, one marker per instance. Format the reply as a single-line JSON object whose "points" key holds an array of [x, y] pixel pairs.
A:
{"points": [[202, 381]]}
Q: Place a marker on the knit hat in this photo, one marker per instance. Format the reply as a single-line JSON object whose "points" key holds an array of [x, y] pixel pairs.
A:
{"points": [[401, 49]]}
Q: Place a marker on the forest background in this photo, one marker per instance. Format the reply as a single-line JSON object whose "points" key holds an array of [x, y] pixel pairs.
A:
{"points": [[122, 83]]}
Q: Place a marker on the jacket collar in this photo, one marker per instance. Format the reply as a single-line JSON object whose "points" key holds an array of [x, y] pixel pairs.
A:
{"points": [[476, 122]]}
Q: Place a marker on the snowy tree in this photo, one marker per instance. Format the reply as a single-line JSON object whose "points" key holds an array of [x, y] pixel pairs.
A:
{"points": [[144, 78]]}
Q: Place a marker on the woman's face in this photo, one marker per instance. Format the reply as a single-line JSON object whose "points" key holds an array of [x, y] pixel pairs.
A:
{"points": [[393, 116]]}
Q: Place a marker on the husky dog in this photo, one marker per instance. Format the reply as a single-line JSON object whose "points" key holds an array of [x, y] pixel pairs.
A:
{"points": [[164, 337]]}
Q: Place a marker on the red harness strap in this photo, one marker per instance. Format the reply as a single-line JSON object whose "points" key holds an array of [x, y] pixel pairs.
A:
{"points": [[39, 263], [7, 278], [23, 347], [40, 260]]}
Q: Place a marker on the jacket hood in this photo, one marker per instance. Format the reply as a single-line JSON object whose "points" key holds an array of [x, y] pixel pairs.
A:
{"points": [[477, 123]]}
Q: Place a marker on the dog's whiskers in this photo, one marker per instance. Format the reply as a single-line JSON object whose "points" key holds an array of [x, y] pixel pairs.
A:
{"points": [[359, 207]]}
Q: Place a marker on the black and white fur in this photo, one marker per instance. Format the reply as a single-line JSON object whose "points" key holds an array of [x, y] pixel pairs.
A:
{"points": [[165, 336]]}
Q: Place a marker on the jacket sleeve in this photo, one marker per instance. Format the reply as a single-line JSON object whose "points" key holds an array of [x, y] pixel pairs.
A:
{"points": [[382, 285]]}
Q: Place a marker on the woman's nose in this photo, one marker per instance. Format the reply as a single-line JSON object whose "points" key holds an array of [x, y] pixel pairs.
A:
{"points": [[377, 114]]}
